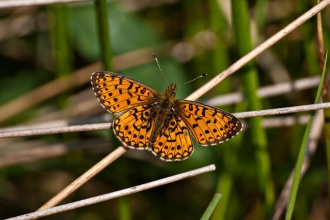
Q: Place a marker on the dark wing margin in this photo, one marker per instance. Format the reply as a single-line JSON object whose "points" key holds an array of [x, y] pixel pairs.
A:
{"points": [[117, 93], [208, 125]]}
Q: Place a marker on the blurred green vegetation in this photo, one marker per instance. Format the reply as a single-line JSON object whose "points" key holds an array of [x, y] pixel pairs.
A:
{"points": [[190, 37]]}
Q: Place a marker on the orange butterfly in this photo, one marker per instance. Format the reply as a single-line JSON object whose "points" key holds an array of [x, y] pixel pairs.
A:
{"points": [[158, 122]]}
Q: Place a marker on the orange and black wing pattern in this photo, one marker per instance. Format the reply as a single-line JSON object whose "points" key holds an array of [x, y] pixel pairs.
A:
{"points": [[117, 93], [174, 143], [134, 127], [208, 125]]}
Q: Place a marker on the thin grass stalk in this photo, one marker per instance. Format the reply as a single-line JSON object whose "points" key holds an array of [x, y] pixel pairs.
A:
{"points": [[207, 214], [325, 96], [314, 137], [22, 3], [302, 151], [250, 81]]}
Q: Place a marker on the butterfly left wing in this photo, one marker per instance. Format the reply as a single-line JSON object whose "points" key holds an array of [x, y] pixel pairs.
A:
{"points": [[117, 93], [134, 127], [174, 142], [208, 125]]}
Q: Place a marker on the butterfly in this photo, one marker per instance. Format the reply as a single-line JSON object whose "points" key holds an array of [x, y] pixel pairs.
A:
{"points": [[148, 120]]}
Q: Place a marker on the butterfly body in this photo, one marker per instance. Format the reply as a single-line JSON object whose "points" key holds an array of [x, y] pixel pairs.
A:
{"points": [[162, 110], [159, 122]]}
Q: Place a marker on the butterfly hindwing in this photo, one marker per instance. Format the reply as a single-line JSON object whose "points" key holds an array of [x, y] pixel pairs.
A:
{"points": [[208, 125], [117, 93], [134, 127], [174, 143]]}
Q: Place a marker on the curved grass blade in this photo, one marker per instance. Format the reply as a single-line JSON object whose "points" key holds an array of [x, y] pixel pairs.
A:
{"points": [[211, 207], [296, 175]]}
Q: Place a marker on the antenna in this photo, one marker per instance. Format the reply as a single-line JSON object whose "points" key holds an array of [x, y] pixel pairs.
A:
{"points": [[160, 68], [205, 74]]}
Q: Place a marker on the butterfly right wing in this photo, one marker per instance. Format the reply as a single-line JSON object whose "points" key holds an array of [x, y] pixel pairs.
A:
{"points": [[134, 127], [117, 93], [207, 124]]}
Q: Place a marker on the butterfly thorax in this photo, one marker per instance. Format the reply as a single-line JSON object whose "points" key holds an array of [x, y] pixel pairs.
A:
{"points": [[163, 111], [168, 97]]}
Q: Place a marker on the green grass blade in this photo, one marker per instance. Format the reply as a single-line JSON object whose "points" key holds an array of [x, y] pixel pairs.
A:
{"points": [[303, 147], [241, 29], [104, 34], [225, 185], [59, 38], [211, 207]]}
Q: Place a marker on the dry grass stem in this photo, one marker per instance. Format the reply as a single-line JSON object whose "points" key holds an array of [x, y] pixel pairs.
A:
{"points": [[258, 50], [55, 130], [102, 145], [113, 195], [20, 3], [85, 177], [105, 117], [279, 111], [101, 126]]}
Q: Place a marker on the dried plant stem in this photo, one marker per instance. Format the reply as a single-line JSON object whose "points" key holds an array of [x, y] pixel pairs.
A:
{"points": [[101, 126], [20, 3], [55, 130], [60, 149], [258, 50], [278, 111], [85, 177], [113, 195]]}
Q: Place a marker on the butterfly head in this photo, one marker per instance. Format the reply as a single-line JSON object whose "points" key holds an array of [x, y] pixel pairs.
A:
{"points": [[170, 91]]}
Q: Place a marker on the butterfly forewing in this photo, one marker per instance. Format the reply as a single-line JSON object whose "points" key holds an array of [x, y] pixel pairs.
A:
{"points": [[117, 93], [208, 125]]}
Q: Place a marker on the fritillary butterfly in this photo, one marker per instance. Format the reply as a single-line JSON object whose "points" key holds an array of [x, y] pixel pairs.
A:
{"points": [[158, 122]]}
